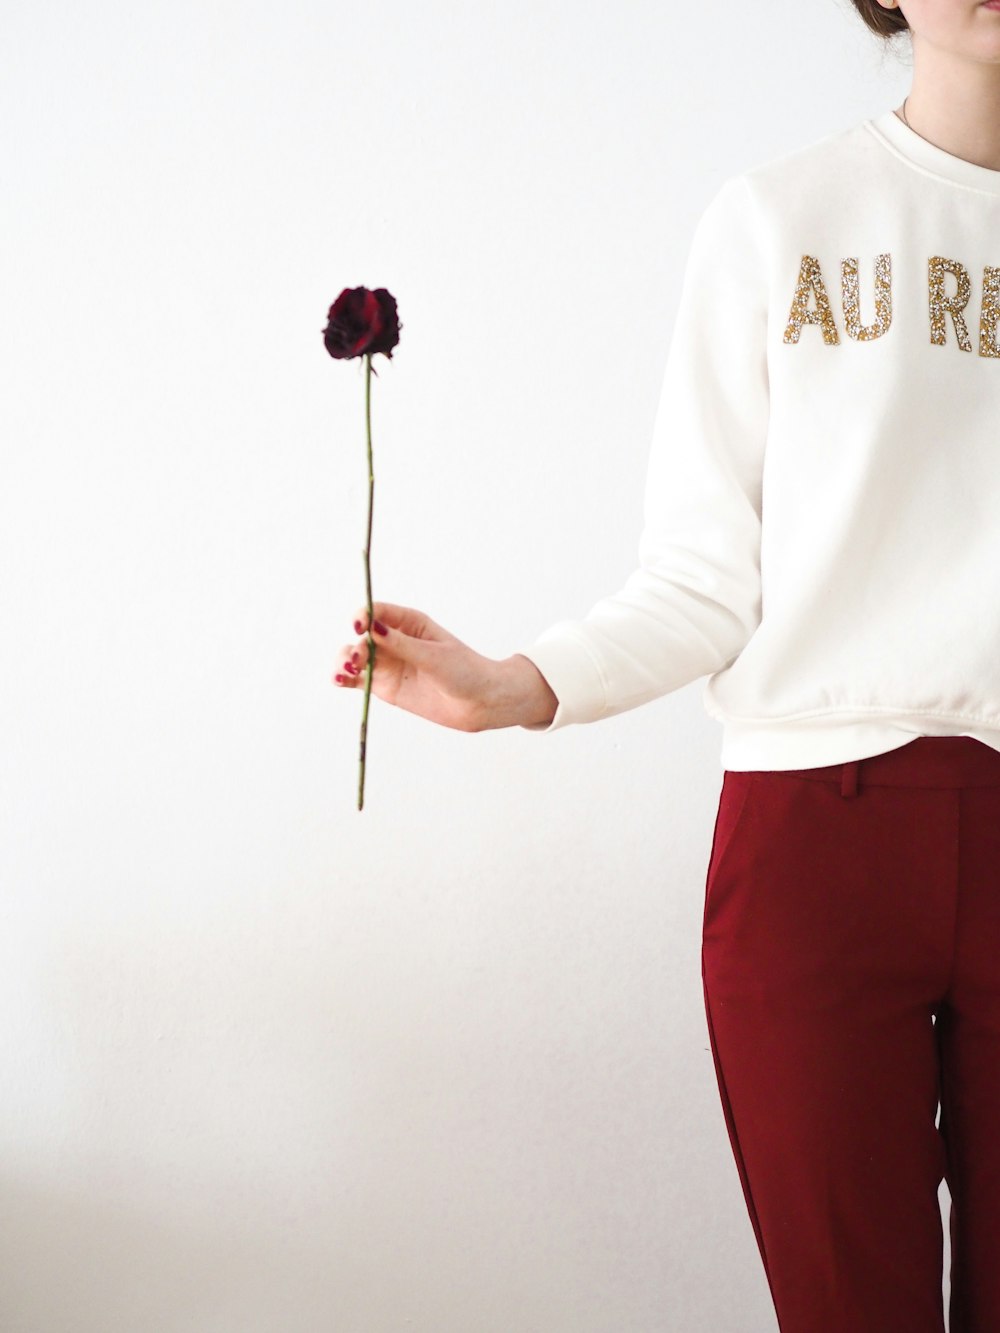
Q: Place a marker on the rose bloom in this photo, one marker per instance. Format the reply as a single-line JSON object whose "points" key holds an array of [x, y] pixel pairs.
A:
{"points": [[362, 322]]}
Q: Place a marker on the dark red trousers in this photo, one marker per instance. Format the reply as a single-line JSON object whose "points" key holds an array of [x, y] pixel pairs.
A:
{"points": [[851, 966]]}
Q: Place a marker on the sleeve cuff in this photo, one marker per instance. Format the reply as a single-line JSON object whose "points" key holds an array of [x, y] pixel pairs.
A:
{"points": [[566, 662]]}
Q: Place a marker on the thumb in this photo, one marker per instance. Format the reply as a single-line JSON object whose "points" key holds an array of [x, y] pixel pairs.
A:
{"points": [[404, 620], [405, 647]]}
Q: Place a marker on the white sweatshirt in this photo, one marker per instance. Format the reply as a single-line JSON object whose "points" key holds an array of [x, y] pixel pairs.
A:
{"points": [[822, 508]]}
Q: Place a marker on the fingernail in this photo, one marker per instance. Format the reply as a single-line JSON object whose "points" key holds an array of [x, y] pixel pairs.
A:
{"points": [[353, 670], [339, 679], [378, 627], [357, 627]]}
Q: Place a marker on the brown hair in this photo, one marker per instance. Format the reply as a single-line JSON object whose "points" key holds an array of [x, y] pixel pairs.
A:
{"points": [[883, 22]]}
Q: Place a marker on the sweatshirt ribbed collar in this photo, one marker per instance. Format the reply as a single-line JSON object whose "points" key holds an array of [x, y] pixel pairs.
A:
{"points": [[919, 152]]}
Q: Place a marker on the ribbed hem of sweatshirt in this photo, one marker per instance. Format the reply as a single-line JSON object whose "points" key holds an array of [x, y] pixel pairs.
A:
{"points": [[837, 737], [573, 676]]}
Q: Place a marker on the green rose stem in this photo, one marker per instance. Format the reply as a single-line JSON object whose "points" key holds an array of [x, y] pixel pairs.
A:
{"points": [[368, 581], [362, 322]]}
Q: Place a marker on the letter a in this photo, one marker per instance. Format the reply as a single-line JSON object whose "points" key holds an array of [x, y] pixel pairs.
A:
{"points": [[810, 282]]}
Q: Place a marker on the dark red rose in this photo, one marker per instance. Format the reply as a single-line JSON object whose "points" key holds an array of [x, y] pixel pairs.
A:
{"points": [[362, 322]]}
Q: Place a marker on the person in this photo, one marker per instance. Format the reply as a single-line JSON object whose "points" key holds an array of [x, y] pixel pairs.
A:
{"points": [[821, 539]]}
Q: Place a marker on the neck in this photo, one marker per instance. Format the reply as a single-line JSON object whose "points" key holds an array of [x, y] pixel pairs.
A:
{"points": [[955, 104]]}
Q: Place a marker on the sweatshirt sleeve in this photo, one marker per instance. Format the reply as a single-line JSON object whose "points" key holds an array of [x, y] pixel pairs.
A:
{"points": [[695, 599]]}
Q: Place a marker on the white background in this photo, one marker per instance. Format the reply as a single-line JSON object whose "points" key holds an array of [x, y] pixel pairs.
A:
{"points": [[269, 1064]]}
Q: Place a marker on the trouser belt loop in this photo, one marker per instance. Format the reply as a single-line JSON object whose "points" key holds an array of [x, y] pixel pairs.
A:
{"points": [[849, 779]]}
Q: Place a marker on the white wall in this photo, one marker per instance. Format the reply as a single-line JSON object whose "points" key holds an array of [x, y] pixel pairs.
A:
{"points": [[272, 1065]]}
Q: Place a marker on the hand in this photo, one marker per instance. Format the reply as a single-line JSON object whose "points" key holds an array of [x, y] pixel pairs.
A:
{"points": [[421, 667]]}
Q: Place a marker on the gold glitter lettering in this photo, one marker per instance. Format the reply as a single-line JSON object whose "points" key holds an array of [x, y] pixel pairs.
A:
{"points": [[941, 304], [989, 343], [852, 302], [810, 282]]}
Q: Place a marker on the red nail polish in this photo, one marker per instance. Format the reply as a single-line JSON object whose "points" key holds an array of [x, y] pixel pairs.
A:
{"points": [[379, 628], [357, 627], [339, 680]]}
